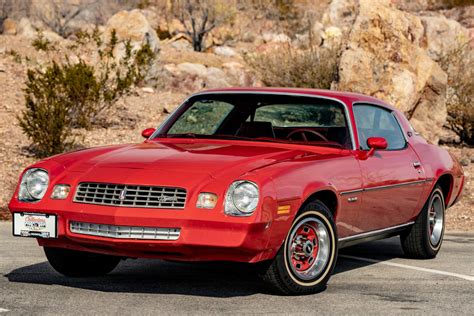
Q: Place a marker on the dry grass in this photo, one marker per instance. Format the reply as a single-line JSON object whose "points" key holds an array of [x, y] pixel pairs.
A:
{"points": [[286, 66]]}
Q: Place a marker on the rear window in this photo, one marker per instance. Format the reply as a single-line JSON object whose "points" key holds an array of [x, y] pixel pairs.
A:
{"points": [[301, 115]]}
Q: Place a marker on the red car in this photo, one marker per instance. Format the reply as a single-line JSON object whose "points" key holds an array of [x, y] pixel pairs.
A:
{"points": [[279, 177]]}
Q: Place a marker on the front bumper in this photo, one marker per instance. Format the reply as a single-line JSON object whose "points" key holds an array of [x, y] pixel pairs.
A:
{"points": [[204, 235]]}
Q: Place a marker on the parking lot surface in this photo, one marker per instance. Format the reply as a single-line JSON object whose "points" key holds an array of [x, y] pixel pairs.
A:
{"points": [[372, 278]]}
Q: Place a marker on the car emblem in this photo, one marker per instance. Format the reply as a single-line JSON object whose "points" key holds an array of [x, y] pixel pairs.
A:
{"points": [[123, 195]]}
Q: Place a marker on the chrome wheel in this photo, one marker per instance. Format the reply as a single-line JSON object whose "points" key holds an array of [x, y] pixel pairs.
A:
{"points": [[308, 248], [436, 220]]}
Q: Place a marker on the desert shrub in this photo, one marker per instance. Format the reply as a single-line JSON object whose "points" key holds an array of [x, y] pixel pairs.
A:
{"points": [[286, 66], [15, 55], [63, 96], [41, 43], [459, 65], [46, 120]]}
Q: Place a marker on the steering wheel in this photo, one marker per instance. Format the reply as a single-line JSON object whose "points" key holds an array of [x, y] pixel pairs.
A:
{"points": [[303, 132]]}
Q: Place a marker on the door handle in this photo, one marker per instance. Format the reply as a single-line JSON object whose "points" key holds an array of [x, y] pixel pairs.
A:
{"points": [[416, 164]]}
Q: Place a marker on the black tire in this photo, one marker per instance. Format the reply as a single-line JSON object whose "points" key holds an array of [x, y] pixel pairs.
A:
{"points": [[416, 241], [73, 263], [280, 274]]}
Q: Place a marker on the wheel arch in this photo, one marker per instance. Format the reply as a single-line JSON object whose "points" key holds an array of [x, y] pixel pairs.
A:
{"points": [[445, 182], [326, 196]]}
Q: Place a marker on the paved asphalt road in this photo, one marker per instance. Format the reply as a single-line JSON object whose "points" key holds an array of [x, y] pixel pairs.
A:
{"points": [[385, 283]]}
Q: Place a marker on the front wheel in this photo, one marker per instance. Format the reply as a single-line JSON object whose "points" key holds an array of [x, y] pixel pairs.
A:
{"points": [[80, 264], [307, 258], [423, 240]]}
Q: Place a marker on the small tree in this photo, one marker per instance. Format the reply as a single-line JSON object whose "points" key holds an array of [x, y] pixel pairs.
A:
{"points": [[199, 17]]}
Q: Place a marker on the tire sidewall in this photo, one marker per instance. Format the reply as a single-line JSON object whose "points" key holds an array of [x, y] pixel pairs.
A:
{"points": [[318, 211], [434, 248]]}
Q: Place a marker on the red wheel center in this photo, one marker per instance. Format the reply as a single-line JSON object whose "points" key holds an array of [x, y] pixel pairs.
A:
{"points": [[305, 248]]}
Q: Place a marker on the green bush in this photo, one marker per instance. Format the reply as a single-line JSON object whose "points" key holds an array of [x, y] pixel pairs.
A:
{"points": [[286, 66], [46, 120], [63, 96], [41, 43]]}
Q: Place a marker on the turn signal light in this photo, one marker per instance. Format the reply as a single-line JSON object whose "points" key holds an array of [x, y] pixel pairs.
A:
{"points": [[206, 200]]}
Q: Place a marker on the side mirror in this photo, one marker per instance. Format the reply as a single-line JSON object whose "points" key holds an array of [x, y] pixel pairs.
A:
{"points": [[374, 143], [379, 143], [146, 133]]}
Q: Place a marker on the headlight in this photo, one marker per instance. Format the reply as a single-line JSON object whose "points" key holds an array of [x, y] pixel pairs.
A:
{"points": [[33, 186], [241, 198]]}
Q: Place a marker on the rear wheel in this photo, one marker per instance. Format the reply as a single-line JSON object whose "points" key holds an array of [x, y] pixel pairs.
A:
{"points": [[423, 240], [305, 262], [80, 264]]}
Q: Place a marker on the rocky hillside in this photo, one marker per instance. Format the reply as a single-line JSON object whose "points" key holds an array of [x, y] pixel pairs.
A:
{"points": [[395, 50]]}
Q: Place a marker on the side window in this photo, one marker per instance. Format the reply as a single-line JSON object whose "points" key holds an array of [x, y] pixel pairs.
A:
{"points": [[203, 117], [373, 121]]}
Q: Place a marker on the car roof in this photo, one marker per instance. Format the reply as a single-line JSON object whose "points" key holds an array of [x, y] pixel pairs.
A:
{"points": [[346, 97]]}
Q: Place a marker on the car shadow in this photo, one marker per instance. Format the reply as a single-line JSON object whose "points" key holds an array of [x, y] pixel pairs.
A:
{"points": [[210, 279]]}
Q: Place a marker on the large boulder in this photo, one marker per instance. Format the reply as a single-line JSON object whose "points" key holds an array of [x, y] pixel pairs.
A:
{"points": [[442, 35], [132, 26], [193, 76], [384, 58]]}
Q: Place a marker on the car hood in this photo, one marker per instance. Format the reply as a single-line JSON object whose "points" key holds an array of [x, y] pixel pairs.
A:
{"points": [[173, 163]]}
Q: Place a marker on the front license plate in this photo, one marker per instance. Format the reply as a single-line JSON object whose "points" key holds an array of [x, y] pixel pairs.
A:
{"points": [[34, 225]]}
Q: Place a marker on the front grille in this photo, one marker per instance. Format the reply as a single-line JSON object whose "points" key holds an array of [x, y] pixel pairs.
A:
{"points": [[125, 232], [130, 195]]}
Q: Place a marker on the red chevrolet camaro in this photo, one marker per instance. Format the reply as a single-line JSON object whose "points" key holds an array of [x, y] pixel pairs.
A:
{"points": [[279, 177]]}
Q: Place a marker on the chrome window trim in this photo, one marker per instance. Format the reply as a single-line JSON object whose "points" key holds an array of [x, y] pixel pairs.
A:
{"points": [[385, 187], [375, 232], [344, 105]]}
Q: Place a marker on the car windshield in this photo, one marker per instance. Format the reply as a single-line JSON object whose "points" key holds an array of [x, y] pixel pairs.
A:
{"points": [[261, 117]]}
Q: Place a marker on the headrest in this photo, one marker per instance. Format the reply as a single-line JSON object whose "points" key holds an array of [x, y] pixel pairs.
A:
{"points": [[256, 129]]}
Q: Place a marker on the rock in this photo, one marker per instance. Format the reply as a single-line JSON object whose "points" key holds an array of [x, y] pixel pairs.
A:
{"points": [[216, 78], [448, 136], [332, 36], [384, 59], [52, 36], [148, 90], [414, 6], [192, 69], [25, 29], [462, 14], [275, 38], [182, 45], [133, 26], [442, 35], [238, 75], [340, 13], [225, 51], [9, 26], [465, 161]]}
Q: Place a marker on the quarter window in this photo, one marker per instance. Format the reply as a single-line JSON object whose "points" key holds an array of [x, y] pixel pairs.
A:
{"points": [[373, 121]]}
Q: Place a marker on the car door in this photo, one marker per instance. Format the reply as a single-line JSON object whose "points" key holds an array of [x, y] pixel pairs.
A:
{"points": [[393, 179]]}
